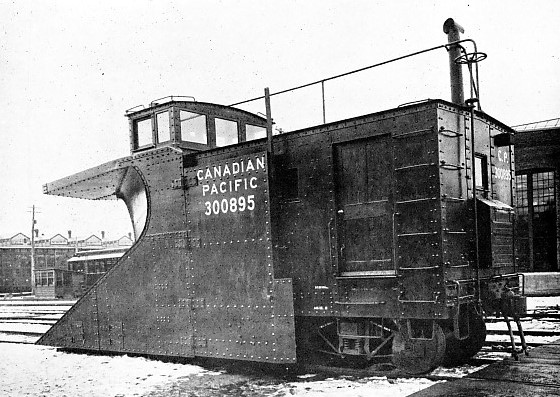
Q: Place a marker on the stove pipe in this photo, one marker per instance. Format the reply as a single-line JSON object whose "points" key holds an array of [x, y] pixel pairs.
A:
{"points": [[453, 30]]}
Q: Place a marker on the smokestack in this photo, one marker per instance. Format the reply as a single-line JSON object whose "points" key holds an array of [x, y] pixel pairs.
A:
{"points": [[453, 31], [69, 234], [102, 235]]}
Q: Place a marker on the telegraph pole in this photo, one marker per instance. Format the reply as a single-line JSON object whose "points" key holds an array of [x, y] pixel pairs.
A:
{"points": [[33, 250]]}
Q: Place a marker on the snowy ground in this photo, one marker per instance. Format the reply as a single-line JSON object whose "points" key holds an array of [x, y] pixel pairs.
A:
{"points": [[29, 370]]}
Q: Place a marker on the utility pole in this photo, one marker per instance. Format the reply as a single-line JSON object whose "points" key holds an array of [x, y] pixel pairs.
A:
{"points": [[268, 121], [33, 222]]}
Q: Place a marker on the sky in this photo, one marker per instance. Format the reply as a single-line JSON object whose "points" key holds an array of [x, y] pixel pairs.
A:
{"points": [[69, 70]]}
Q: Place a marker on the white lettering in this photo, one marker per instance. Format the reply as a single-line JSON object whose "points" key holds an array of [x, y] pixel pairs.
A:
{"points": [[250, 166], [224, 206], [503, 156], [227, 179], [234, 204], [253, 182], [503, 174], [260, 163]]}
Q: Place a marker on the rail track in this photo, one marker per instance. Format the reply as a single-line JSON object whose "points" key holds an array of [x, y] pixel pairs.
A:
{"points": [[24, 321]]}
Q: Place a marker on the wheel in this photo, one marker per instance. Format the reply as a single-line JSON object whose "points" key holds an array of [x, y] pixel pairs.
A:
{"points": [[418, 356], [459, 351]]}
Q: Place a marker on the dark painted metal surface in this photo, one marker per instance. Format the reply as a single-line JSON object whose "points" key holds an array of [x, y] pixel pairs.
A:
{"points": [[200, 280], [365, 218], [243, 311]]}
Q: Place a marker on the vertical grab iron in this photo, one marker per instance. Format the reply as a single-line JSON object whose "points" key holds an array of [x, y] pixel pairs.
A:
{"points": [[471, 104]]}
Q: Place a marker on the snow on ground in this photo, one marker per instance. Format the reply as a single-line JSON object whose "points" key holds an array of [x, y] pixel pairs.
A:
{"points": [[30, 370], [340, 387], [23, 327], [17, 338], [536, 302], [528, 338], [31, 311]]}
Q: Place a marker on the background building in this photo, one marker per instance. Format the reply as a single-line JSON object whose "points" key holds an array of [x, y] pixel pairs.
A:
{"points": [[537, 152], [51, 259], [15, 261]]}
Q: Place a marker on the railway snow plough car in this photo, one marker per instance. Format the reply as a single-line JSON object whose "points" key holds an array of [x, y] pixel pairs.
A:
{"points": [[388, 234]]}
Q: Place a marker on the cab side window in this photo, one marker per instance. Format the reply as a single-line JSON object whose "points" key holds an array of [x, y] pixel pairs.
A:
{"points": [[226, 132], [193, 127], [143, 132], [163, 127], [255, 132]]}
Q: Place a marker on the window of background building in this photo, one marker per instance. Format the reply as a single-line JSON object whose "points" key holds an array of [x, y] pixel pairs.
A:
{"points": [[536, 221], [522, 201], [50, 279], [59, 278]]}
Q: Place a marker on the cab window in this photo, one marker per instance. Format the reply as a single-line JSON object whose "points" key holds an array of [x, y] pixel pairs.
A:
{"points": [[163, 131], [144, 132], [226, 132], [255, 132], [193, 127]]}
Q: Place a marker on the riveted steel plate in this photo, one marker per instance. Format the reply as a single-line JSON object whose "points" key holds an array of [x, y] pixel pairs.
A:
{"points": [[246, 314], [138, 306]]}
